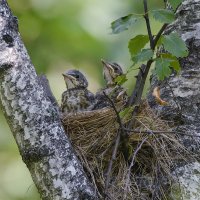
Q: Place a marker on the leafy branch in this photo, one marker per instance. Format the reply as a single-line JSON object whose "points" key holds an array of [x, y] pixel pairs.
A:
{"points": [[172, 43], [143, 49], [173, 46]]}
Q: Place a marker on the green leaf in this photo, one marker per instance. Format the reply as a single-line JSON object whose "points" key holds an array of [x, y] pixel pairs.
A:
{"points": [[121, 79], [163, 15], [175, 3], [175, 45], [123, 23], [162, 68], [175, 65], [126, 112], [137, 43], [142, 56], [174, 62]]}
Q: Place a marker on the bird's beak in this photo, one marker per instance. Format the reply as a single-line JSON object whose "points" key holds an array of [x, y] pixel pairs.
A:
{"points": [[107, 65], [103, 61], [68, 76]]}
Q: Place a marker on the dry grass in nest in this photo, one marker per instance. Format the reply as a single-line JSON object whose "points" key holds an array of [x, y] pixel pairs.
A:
{"points": [[93, 134]]}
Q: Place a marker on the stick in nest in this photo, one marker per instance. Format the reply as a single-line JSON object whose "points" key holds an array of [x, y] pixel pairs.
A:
{"points": [[121, 136]]}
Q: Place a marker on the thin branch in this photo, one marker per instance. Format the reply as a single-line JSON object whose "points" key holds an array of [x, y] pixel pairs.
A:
{"points": [[148, 132], [139, 87], [142, 75], [132, 163], [159, 35], [158, 132], [135, 94], [123, 133], [114, 153], [144, 69], [146, 17]]}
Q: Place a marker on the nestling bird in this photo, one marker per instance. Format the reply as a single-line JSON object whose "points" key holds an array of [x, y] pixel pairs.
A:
{"points": [[110, 72], [77, 97], [115, 91]]}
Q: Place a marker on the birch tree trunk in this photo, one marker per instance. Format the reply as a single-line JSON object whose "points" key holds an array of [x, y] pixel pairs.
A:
{"points": [[34, 120], [182, 91]]}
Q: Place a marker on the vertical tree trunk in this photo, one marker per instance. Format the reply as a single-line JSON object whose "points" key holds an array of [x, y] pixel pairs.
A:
{"points": [[34, 120], [182, 91]]}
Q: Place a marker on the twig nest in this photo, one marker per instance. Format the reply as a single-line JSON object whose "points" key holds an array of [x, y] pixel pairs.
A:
{"points": [[89, 121], [93, 134]]}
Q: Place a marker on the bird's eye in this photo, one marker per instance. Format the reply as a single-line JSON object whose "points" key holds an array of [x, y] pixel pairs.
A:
{"points": [[77, 76], [115, 68]]}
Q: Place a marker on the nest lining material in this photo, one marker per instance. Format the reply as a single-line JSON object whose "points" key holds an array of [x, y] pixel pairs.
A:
{"points": [[93, 134]]}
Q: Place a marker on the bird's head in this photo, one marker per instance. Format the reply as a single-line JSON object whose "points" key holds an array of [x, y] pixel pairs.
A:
{"points": [[75, 79], [111, 71]]}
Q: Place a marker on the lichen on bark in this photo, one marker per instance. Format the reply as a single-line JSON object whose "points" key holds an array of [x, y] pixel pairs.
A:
{"points": [[34, 120], [182, 93]]}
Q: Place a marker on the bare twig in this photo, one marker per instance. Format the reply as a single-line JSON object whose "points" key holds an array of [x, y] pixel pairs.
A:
{"points": [[132, 163], [148, 132], [121, 136], [139, 87], [158, 132], [114, 153], [123, 133]]}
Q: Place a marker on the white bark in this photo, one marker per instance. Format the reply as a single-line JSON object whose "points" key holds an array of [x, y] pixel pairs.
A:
{"points": [[186, 95], [34, 120]]}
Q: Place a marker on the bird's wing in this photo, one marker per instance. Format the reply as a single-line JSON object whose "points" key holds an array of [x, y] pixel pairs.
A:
{"points": [[91, 96], [64, 95]]}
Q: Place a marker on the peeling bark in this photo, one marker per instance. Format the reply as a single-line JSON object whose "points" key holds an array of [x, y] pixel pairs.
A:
{"points": [[182, 91], [34, 120]]}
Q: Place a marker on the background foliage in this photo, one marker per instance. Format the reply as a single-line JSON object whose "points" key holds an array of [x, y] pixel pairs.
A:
{"points": [[63, 34]]}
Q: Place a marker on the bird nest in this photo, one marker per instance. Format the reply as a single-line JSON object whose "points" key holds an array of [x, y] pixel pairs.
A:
{"points": [[147, 174]]}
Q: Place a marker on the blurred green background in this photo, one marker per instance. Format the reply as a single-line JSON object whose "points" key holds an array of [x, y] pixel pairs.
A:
{"points": [[59, 35]]}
